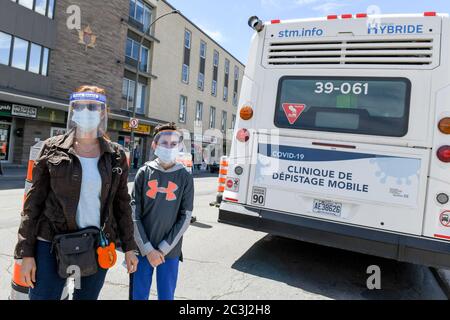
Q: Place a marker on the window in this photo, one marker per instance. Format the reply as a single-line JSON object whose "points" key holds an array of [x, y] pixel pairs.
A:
{"points": [[185, 74], [26, 3], [203, 49], [183, 107], [201, 81], [233, 121], [51, 9], [144, 59], [142, 13], [132, 52], [212, 117], [214, 88], [35, 58], [227, 66], [224, 121], [199, 111], [5, 48], [43, 7], [225, 93], [236, 86], [187, 39], [140, 101], [45, 58], [24, 55], [372, 106], [128, 94], [216, 59], [201, 72], [20, 52]]}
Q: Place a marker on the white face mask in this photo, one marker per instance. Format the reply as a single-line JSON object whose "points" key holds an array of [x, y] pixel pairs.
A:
{"points": [[166, 155], [86, 120]]}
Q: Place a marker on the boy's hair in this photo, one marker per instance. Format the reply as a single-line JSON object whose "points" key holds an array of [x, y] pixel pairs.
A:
{"points": [[163, 127]]}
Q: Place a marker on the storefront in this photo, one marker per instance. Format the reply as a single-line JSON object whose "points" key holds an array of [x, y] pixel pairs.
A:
{"points": [[122, 132], [21, 126]]}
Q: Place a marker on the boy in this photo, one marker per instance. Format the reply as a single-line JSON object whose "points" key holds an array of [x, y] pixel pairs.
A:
{"points": [[162, 202]]}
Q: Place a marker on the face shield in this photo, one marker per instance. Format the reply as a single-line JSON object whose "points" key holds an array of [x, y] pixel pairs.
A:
{"points": [[168, 146], [88, 114]]}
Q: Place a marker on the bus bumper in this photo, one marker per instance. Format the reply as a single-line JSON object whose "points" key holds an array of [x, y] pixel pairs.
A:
{"points": [[400, 247]]}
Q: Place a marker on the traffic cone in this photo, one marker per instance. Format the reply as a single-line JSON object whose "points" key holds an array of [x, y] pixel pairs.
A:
{"points": [[19, 289]]}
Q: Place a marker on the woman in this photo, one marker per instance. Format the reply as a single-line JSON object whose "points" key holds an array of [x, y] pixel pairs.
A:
{"points": [[79, 181]]}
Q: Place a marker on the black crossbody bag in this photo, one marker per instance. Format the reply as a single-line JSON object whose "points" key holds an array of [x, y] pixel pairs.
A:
{"points": [[77, 251]]}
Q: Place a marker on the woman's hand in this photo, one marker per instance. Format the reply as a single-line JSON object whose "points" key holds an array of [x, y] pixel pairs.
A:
{"points": [[28, 271], [131, 261]]}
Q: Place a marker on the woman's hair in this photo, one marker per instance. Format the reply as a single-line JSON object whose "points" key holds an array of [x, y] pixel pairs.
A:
{"points": [[87, 88], [164, 127]]}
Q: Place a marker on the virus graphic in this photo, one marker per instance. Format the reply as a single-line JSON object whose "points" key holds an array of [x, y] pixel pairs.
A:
{"points": [[401, 169]]}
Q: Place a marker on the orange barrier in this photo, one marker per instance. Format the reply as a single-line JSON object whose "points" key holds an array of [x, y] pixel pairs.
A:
{"points": [[223, 171], [19, 289]]}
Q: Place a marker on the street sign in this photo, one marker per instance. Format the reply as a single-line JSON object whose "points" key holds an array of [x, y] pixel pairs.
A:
{"points": [[134, 123]]}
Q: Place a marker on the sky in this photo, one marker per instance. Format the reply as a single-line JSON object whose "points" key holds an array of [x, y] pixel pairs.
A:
{"points": [[226, 20]]}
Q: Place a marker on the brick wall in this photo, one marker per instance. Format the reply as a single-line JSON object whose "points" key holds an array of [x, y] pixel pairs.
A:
{"points": [[73, 65]]}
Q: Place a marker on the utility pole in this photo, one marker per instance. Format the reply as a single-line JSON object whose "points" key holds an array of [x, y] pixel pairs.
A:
{"points": [[137, 77]]}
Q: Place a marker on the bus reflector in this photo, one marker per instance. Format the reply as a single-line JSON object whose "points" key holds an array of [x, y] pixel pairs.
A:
{"points": [[444, 154], [347, 16], [332, 17], [276, 21], [243, 135], [444, 125], [361, 15], [430, 14], [231, 199], [246, 113]]}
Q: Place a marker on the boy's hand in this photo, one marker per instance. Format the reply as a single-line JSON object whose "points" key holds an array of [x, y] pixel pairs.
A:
{"points": [[155, 258]]}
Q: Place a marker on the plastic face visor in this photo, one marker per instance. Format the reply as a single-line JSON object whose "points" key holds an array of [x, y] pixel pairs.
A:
{"points": [[90, 100], [170, 139]]}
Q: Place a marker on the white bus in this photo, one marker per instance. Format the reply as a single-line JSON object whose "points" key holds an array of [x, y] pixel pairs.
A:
{"points": [[344, 135]]}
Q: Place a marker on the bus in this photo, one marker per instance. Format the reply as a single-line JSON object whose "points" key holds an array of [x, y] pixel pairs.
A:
{"points": [[343, 135]]}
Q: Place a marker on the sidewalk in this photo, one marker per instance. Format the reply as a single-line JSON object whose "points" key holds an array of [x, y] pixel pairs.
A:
{"points": [[13, 172]]}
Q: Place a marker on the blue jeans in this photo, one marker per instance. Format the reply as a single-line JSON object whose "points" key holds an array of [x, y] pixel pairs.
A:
{"points": [[49, 285], [166, 279]]}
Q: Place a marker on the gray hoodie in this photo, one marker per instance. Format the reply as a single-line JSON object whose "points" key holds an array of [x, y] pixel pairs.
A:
{"points": [[162, 202]]}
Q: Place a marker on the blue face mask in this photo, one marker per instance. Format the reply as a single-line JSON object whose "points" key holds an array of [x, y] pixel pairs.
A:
{"points": [[166, 155]]}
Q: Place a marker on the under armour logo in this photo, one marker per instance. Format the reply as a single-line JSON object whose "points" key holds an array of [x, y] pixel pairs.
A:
{"points": [[169, 191]]}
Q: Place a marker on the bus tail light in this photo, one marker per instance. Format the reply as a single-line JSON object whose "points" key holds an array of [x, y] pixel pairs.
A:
{"points": [[246, 112], [444, 154], [361, 15], [347, 16], [275, 21], [430, 14], [444, 125], [332, 17], [243, 135]]}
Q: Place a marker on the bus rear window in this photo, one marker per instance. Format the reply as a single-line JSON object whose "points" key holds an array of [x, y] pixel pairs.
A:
{"points": [[372, 106]]}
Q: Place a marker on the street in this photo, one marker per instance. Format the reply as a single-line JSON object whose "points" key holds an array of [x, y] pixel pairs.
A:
{"points": [[225, 262]]}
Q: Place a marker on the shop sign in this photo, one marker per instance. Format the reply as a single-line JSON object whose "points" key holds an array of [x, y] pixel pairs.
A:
{"points": [[142, 128], [5, 109], [24, 111]]}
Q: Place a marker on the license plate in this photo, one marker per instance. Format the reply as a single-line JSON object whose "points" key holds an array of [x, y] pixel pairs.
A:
{"points": [[327, 207]]}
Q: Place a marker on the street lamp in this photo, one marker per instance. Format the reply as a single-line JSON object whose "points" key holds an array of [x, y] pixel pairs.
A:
{"points": [[137, 77]]}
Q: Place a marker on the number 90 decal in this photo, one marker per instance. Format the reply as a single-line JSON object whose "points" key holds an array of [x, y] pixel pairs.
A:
{"points": [[258, 196]]}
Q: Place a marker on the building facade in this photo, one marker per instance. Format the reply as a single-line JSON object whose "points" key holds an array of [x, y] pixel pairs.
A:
{"points": [[50, 47]]}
